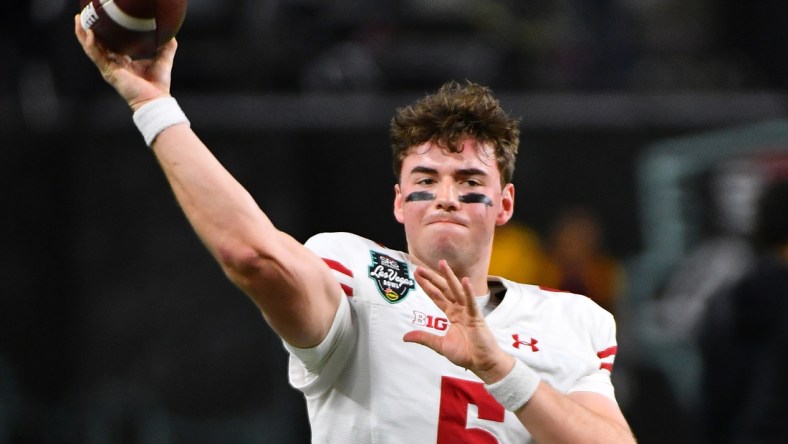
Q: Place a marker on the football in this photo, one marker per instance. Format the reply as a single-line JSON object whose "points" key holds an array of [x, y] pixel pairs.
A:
{"points": [[133, 27]]}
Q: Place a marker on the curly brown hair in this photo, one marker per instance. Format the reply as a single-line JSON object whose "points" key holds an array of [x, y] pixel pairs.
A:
{"points": [[454, 112]]}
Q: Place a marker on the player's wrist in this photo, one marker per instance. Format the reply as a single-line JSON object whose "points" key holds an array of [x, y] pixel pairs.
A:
{"points": [[156, 115], [496, 369], [135, 103], [516, 388]]}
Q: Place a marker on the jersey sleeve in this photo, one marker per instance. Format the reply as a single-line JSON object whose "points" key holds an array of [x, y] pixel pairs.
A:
{"points": [[313, 370], [603, 340]]}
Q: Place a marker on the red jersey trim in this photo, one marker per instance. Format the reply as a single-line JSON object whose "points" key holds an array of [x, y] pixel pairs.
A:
{"points": [[336, 266], [552, 290], [610, 351], [607, 353]]}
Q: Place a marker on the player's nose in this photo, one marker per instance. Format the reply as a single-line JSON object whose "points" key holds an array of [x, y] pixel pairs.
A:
{"points": [[447, 197]]}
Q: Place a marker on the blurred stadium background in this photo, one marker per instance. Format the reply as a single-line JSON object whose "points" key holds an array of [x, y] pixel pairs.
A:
{"points": [[116, 326]]}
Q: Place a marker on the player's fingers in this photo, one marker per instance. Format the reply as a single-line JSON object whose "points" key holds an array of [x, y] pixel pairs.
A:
{"points": [[440, 283], [453, 283], [429, 340], [434, 285], [78, 31], [84, 37], [166, 53], [87, 39], [160, 69], [470, 301], [445, 280]]}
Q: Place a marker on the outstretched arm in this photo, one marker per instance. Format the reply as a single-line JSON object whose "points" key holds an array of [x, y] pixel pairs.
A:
{"points": [[549, 415], [294, 288]]}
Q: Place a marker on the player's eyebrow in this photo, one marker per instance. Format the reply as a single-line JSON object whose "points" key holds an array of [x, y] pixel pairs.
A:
{"points": [[462, 172], [465, 172], [424, 170]]}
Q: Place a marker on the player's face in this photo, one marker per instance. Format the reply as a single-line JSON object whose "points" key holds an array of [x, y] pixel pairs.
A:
{"points": [[450, 204]]}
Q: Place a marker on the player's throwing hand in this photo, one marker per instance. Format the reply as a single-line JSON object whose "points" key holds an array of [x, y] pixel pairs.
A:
{"points": [[137, 81]]}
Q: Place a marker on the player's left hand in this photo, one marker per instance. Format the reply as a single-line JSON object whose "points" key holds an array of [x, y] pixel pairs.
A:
{"points": [[469, 342]]}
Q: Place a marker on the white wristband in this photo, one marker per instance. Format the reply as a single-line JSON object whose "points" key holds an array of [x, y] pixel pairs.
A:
{"points": [[516, 388], [158, 115]]}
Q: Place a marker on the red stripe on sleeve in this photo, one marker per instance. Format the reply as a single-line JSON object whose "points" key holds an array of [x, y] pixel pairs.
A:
{"points": [[348, 291], [610, 351], [334, 265], [606, 366], [552, 290]]}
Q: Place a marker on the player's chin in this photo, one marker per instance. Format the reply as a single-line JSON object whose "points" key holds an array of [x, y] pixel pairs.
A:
{"points": [[449, 247]]}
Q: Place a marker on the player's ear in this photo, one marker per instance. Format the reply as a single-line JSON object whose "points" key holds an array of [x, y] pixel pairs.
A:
{"points": [[398, 201], [507, 205]]}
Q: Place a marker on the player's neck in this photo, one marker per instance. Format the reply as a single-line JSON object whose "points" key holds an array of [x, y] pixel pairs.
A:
{"points": [[477, 273]]}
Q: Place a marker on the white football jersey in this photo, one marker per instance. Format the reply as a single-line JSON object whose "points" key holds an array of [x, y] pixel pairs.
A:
{"points": [[364, 384]]}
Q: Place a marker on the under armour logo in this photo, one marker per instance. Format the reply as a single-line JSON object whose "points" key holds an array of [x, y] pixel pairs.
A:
{"points": [[532, 343]]}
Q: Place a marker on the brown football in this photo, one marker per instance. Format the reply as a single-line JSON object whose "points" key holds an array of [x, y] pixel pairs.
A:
{"points": [[133, 27]]}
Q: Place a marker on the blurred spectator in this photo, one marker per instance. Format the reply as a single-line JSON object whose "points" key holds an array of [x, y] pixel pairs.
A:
{"points": [[517, 254], [577, 260], [744, 340], [721, 258], [724, 256]]}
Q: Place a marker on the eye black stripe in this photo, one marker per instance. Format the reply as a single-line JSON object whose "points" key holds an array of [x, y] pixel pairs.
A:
{"points": [[419, 195], [476, 198]]}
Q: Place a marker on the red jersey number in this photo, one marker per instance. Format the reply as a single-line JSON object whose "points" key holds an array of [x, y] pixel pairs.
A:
{"points": [[456, 394]]}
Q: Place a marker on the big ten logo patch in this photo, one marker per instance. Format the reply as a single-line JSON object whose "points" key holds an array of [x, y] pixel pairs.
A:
{"points": [[429, 321], [391, 277]]}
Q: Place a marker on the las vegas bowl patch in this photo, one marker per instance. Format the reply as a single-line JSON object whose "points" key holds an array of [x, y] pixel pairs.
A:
{"points": [[391, 277]]}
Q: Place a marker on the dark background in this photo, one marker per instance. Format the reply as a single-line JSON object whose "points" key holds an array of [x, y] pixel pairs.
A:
{"points": [[116, 325]]}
